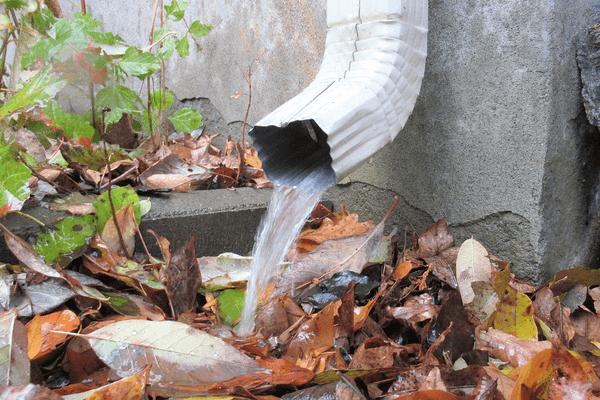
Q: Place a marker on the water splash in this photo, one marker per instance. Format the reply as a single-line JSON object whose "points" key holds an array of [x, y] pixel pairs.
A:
{"points": [[287, 212]]}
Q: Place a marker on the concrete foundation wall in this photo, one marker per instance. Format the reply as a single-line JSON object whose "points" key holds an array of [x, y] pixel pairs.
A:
{"points": [[497, 143]]}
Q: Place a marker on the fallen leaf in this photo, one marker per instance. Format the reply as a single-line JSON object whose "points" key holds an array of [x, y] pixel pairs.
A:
{"points": [[28, 392], [14, 363], [179, 354], [178, 183], [472, 265], [183, 279], [435, 239], [515, 315], [129, 388], [43, 329], [127, 225], [309, 239], [509, 348]]}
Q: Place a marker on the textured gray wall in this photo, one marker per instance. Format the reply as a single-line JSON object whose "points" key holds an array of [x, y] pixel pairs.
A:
{"points": [[497, 143]]}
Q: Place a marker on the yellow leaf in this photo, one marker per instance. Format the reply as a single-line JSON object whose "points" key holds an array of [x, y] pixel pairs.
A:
{"points": [[515, 315]]}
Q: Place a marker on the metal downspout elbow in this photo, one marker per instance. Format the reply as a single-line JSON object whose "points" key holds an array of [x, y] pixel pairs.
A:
{"points": [[365, 90]]}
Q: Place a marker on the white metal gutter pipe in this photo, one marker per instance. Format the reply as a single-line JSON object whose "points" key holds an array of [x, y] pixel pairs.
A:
{"points": [[361, 98]]}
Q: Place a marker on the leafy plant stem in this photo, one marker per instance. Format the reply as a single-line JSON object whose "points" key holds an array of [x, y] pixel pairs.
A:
{"points": [[149, 103], [248, 79], [83, 7], [110, 200]]}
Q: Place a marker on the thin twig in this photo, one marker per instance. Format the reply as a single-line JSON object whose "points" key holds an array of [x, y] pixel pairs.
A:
{"points": [[137, 228], [83, 7]]}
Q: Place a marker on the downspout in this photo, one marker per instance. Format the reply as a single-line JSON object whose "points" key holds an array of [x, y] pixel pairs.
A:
{"points": [[361, 98]]}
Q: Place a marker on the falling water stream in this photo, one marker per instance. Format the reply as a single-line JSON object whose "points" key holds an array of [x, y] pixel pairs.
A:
{"points": [[287, 212]]}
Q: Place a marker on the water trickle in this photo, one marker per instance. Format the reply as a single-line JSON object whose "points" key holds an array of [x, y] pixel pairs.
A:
{"points": [[287, 212]]}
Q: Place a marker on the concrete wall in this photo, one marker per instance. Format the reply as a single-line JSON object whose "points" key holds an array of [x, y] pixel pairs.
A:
{"points": [[497, 143]]}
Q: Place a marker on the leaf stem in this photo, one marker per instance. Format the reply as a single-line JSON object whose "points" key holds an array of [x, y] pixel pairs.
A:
{"points": [[22, 214]]}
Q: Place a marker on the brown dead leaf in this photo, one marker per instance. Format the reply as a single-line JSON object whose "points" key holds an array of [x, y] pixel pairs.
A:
{"points": [[178, 183], [42, 336], [27, 392], [373, 353], [509, 348], [312, 338], [183, 279], [309, 239], [130, 388], [435, 239], [125, 219]]}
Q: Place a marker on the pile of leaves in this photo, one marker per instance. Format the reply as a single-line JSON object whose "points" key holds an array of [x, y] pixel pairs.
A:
{"points": [[357, 315]]}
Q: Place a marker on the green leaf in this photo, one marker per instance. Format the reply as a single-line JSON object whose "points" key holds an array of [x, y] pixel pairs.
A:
{"points": [[106, 38], [168, 48], [158, 100], [43, 20], [230, 304], [159, 33], [5, 22], [121, 197], [139, 64], [74, 125], [120, 99], [42, 86], [14, 4], [183, 47], [176, 10], [146, 122], [186, 120], [14, 182], [68, 241], [199, 29]]}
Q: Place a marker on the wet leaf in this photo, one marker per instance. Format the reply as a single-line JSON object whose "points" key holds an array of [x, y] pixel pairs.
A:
{"points": [[309, 239], [179, 183], [347, 254], [41, 336], [472, 265], [27, 255], [130, 388], [14, 182], [179, 355], [510, 348], [28, 392], [68, 241], [125, 220], [183, 278], [515, 315], [227, 270], [307, 344], [230, 304], [452, 316], [120, 197], [14, 363], [75, 203], [134, 306]]}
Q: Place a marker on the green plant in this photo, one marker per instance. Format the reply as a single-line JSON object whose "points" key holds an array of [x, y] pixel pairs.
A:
{"points": [[52, 53], [80, 53]]}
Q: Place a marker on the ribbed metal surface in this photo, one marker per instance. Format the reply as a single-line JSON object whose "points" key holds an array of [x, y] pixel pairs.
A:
{"points": [[361, 98]]}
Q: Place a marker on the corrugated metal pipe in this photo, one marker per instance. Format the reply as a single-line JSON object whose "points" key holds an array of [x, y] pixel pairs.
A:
{"points": [[361, 98]]}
